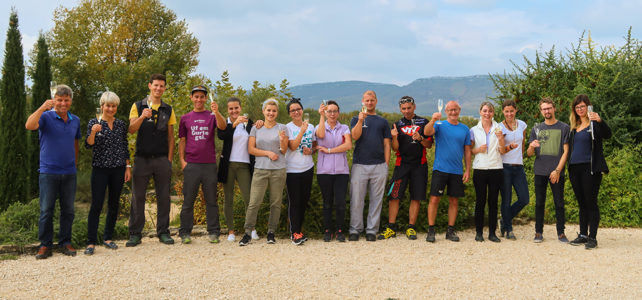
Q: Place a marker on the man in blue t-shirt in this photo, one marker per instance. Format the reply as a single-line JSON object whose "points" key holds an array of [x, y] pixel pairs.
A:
{"points": [[59, 133], [452, 143], [369, 167]]}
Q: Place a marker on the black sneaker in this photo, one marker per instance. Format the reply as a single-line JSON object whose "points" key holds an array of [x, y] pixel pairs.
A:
{"points": [[245, 240], [270, 238], [431, 236], [591, 243], [297, 238], [479, 237], [371, 237], [580, 239], [493, 238], [340, 237], [451, 234], [353, 237], [327, 236], [562, 238]]}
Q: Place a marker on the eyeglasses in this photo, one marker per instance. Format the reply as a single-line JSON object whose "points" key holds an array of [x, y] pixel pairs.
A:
{"points": [[332, 111], [580, 107], [547, 108], [296, 110], [406, 100]]}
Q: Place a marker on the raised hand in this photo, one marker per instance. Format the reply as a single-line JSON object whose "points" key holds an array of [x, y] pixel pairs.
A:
{"points": [[394, 131]]}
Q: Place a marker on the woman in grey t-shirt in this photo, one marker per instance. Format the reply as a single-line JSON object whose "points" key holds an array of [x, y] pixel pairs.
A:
{"points": [[269, 145]]}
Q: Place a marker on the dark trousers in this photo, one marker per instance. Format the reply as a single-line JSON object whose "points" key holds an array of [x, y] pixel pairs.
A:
{"points": [[586, 187], [299, 186], [101, 180], [514, 176], [160, 168], [540, 200], [487, 184], [195, 175], [54, 186], [333, 189]]}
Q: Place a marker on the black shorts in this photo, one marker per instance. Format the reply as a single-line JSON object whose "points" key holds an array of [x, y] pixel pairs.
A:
{"points": [[417, 175], [440, 180]]}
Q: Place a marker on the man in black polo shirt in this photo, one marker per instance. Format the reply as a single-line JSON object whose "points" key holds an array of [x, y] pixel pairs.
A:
{"points": [[154, 120], [410, 167]]}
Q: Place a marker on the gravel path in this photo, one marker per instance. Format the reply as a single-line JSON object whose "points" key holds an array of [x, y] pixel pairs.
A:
{"points": [[396, 268]]}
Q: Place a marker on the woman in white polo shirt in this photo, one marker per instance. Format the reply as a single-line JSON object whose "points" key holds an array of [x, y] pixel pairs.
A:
{"points": [[514, 176], [486, 138]]}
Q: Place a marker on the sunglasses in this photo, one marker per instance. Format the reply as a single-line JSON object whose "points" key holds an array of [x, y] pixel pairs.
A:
{"points": [[406, 100]]}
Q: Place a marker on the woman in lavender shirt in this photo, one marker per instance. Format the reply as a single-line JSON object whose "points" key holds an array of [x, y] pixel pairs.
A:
{"points": [[333, 139]]}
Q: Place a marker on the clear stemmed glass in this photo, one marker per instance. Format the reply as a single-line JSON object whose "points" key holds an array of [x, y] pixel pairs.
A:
{"points": [[440, 106], [99, 115], [212, 100], [412, 122], [149, 105], [306, 117], [52, 89], [364, 110], [245, 115]]}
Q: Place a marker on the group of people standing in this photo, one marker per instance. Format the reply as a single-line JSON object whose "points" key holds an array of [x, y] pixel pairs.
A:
{"points": [[266, 156]]}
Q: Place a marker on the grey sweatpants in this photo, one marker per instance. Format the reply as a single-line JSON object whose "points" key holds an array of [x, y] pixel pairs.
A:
{"points": [[362, 177], [195, 175]]}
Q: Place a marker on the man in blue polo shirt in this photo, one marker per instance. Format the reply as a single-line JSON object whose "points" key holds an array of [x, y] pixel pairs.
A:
{"points": [[59, 132]]}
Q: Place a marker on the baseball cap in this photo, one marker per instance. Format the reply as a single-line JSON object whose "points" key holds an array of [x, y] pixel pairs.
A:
{"points": [[199, 88]]}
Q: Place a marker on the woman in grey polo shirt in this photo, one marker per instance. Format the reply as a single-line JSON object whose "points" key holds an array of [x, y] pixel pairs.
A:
{"points": [[269, 145]]}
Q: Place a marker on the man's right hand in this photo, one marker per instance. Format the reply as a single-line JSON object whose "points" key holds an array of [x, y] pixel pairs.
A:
{"points": [[362, 116], [47, 105], [436, 116], [534, 144], [147, 113]]}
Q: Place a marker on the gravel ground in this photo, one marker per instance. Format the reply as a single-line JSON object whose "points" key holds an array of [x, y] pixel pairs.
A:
{"points": [[396, 268]]}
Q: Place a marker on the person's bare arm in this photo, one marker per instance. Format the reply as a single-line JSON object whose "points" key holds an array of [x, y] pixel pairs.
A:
{"points": [[181, 152], [467, 160], [34, 118], [386, 150], [170, 142]]}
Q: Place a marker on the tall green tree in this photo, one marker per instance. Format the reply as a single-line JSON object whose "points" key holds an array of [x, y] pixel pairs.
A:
{"points": [[13, 173], [40, 74]]}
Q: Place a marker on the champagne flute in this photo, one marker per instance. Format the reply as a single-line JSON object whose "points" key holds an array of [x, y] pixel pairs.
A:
{"points": [[149, 105], [245, 115], [412, 122], [99, 115], [536, 127], [589, 109], [53, 88], [364, 110], [306, 117], [440, 105], [211, 101]]}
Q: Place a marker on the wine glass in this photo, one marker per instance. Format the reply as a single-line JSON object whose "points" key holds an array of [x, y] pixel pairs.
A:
{"points": [[364, 110], [245, 115], [212, 101], [412, 122], [536, 127], [99, 115], [440, 106], [149, 105], [589, 110], [306, 117], [53, 88]]}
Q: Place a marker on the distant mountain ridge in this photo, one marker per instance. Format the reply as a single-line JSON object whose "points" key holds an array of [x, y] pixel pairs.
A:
{"points": [[469, 91]]}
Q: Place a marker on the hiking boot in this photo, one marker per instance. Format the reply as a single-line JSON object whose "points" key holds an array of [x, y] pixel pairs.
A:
{"points": [[451, 234], [510, 235], [479, 237], [493, 238], [353, 237], [245, 240], [214, 238], [580, 239], [255, 236], [134, 240], [297, 238], [68, 250], [562, 238], [166, 239], [411, 234], [340, 237], [388, 233], [591, 243], [538, 238], [186, 239], [327, 236], [431, 236], [370, 237], [270, 238], [43, 252]]}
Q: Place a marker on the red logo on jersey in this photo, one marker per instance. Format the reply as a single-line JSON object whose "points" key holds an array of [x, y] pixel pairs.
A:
{"points": [[409, 129]]}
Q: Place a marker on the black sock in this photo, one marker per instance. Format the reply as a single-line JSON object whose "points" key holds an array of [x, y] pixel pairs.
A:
{"points": [[411, 226], [431, 228]]}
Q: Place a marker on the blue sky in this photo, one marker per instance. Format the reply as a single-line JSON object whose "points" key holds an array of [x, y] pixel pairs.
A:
{"points": [[379, 40]]}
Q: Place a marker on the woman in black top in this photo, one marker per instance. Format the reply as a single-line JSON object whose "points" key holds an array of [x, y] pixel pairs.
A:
{"points": [[586, 166], [235, 163], [108, 139]]}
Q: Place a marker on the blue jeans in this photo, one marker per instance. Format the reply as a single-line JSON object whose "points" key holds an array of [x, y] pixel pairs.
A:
{"points": [[54, 186], [514, 176]]}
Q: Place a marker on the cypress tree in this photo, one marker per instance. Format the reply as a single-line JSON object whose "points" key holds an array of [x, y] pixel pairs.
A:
{"points": [[41, 76], [13, 135]]}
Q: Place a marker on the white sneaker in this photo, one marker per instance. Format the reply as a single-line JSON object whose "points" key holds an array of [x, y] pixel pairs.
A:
{"points": [[255, 236], [231, 237]]}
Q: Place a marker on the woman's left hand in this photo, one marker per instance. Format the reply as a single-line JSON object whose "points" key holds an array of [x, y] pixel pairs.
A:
{"points": [[595, 117]]}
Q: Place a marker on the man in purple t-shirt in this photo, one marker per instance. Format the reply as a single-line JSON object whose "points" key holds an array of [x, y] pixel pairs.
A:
{"points": [[197, 151]]}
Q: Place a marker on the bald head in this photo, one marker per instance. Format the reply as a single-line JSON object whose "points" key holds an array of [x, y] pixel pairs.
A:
{"points": [[369, 93], [452, 104], [369, 100]]}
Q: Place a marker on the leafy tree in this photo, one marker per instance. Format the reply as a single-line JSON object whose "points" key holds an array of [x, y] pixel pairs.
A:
{"points": [[13, 174], [41, 76], [610, 76], [102, 44]]}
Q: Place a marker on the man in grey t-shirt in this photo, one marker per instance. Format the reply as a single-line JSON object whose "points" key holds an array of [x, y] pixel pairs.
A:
{"points": [[548, 141]]}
